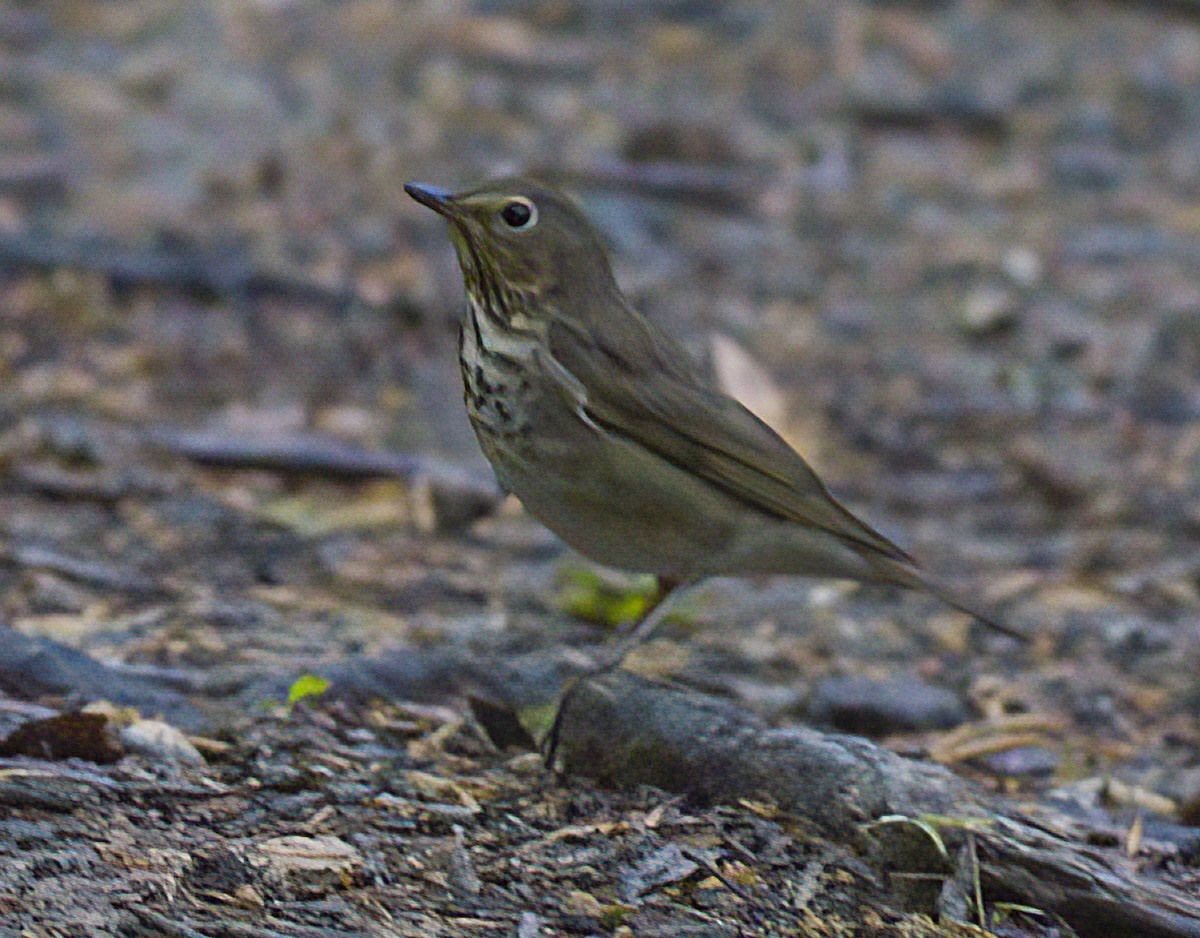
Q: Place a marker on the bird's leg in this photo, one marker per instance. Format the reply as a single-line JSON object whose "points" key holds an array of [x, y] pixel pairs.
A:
{"points": [[667, 594], [663, 587], [670, 591]]}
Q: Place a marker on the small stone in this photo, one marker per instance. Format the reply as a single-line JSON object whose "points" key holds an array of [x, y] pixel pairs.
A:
{"points": [[876, 708], [160, 740], [988, 310], [1023, 761], [1022, 266]]}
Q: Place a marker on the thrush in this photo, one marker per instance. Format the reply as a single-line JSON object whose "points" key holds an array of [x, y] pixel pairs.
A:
{"points": [[608, 432]]}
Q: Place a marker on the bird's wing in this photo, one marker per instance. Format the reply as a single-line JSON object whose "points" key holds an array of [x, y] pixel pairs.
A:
{"points": [[701, 431]]}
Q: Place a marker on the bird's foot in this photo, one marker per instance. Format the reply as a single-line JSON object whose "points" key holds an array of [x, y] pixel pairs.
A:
{"points": [[610, 659]]}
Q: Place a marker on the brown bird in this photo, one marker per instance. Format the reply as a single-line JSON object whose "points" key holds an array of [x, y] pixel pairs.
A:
{"points": [[604, 428]]}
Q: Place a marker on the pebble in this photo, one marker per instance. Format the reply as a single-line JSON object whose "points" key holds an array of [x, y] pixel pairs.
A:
{"points": [[879, 707], [161, 741], [988, 310], [1027, 761]]}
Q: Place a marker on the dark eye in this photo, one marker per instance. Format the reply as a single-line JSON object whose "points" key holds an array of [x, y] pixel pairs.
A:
{"points": [[519, 214]]}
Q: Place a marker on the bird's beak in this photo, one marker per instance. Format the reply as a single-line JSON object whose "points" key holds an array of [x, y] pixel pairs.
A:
{"points": [[431, 197]]}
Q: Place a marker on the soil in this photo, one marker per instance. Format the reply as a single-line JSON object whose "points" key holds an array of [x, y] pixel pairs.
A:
{"points": [[948, 250]]}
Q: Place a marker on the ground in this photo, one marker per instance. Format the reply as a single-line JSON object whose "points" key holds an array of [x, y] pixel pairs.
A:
{"points": [[949, 251]]}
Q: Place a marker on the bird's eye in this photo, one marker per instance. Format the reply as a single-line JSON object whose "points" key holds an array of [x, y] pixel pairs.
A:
{"points": [[520, 214]]}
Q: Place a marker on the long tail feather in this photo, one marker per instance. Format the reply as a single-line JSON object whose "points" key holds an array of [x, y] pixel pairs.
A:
{"points": [[908, 576]]}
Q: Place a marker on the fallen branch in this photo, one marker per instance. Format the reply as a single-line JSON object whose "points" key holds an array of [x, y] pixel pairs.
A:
{"points": [[624, 731], [460, 496]]}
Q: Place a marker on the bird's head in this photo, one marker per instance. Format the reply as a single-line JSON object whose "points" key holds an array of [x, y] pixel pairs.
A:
{"points": [[519, 236]]}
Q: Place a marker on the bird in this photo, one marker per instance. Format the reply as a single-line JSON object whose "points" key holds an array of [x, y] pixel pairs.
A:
{"points": [[610, 434]]}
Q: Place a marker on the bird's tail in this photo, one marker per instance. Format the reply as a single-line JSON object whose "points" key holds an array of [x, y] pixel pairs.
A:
{"points": [[906, 574]]}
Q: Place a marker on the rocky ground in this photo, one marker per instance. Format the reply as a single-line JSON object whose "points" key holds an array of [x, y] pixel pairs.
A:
{"points": [[949, 250]]}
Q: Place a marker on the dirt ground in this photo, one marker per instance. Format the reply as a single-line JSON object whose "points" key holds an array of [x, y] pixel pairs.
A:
{"points": [[950, 251]]}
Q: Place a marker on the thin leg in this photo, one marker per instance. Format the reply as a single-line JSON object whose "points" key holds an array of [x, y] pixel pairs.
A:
{"points": [[669, 594], [664, 586]]}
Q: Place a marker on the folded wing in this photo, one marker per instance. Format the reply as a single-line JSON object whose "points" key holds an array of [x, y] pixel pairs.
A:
{"points": [[704, 432]]}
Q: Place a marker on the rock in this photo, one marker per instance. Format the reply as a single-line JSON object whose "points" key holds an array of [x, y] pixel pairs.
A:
{"points": [[875, 708], [988, 310], [1023, 761], [161, 741]]}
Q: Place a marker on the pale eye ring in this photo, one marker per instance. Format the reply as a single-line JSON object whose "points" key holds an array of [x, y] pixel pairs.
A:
{"points": [[519, 214]]}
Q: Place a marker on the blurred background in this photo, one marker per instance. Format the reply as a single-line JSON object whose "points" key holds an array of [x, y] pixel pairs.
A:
{"points": [[951, 250]]}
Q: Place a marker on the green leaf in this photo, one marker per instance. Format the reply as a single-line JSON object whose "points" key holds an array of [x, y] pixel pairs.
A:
{"points": [[307, 685], [606, 600]]}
